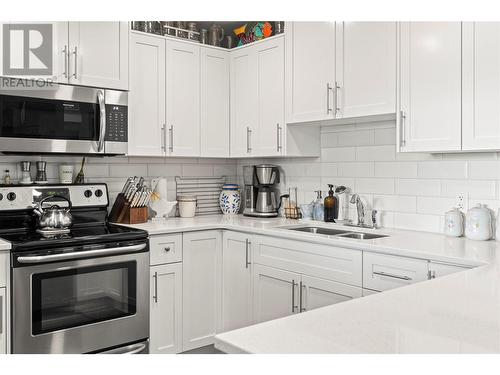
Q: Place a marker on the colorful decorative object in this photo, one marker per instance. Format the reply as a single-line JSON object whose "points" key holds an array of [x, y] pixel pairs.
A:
{"points": [[247, 34], [230, 199]]}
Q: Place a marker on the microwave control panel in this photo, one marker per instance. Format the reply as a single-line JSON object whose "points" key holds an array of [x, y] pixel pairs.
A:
{"points": [[116, 123]]}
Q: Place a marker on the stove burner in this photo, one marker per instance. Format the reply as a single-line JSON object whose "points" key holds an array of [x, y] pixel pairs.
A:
{"points": [[54, 233]]}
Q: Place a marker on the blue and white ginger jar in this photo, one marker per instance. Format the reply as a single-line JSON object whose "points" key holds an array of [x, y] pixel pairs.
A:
{"points": [[230, 199]]}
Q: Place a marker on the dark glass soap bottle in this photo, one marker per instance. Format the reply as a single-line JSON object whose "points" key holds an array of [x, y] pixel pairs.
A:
{"points": [[331, 205]]}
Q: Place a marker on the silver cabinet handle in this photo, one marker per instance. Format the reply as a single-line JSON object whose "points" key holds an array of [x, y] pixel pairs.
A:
{"points": [[249, 137], [337, 88], [167, 249], [403, 123], [278, 138], [102, 120], [65, 52], [385, 274], [75, 52], [155, 295], [301, 296], [171, 145], [1, 314], [80, 254], [431, 275], [247, 253], [163, 139], [293, 297], [328, 89]]}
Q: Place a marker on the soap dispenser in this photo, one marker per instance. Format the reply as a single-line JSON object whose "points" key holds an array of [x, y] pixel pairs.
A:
{"points": [[319, 208], [331, 205]]}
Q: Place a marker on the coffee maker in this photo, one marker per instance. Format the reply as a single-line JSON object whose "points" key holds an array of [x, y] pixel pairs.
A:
{"points": [[260, 192]]}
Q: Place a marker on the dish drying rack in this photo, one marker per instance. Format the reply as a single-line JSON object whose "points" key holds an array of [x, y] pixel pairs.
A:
{"points": [[207, 191]]}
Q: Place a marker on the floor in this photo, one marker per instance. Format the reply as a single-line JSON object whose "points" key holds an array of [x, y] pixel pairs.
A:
{"points": [[209, 349]]}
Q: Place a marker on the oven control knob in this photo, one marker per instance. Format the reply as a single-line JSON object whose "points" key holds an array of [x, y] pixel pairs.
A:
{"points": [[87, 193], [11, 196], [1, 196], [98, 193]]}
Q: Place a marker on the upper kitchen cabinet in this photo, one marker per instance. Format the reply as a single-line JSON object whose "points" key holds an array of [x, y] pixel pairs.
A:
{"points": [[147, 96], [365, 64], [310, 71], [430, 86], [481, 86], [214, 102], [98, 54], [183, 98]]}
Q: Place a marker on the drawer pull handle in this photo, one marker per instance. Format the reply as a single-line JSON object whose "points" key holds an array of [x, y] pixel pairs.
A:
{"points": [[407, 278], [167, 249]]}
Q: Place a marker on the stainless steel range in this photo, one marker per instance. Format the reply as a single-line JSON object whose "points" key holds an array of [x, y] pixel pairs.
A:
{"points": [[82, 290]]}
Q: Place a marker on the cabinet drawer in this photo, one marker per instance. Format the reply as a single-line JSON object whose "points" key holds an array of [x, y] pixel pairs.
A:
{"points": [[383, 272], [327, 262], [4, 268], [165, 249]]}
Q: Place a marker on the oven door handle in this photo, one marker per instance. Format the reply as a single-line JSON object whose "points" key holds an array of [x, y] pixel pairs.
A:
{"points": [[80, 254], [130, 349], [102, 120]]}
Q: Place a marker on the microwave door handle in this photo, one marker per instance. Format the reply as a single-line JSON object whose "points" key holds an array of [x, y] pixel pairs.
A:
{"points": [[80, 254], [102, 120]]}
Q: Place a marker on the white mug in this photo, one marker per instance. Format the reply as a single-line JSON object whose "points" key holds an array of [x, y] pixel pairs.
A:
{"points": [[66, 174]]}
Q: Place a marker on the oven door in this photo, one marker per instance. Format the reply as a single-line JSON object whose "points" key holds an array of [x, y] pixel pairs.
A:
{"points": [[67, 119], [82, 305]]}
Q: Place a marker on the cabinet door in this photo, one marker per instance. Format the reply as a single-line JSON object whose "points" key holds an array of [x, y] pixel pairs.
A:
{"points": [[59, 45], [165, 331], [214, 102], [244, 101], [201, 287], [317, 292], [310, 67], [236, 281], [183, 98], [271, 95], [481, 86], [99, 54], [365, 68], [3, 321], [443, 269], [146, 135], [276, 293], [430, 117]]}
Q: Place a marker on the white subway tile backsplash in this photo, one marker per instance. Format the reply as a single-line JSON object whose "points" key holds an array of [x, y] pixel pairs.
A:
{"points": [[434, 205], [126, 170], [376, 153], [164, 170], [374, 185], [197, 170], [486, 170], [421, 222], [329, 140], [474, 188], [397, 203], [338, 154], [329, 169], [356, 138], [395, 169], [355, 169], [419, 187], [385, 136], [442, 169]]}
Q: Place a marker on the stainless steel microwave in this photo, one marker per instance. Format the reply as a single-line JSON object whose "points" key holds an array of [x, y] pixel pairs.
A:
{"points": [[65, 119]]}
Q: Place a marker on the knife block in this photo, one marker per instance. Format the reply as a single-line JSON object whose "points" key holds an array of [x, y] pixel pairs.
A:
{"points": [[123, 213]]}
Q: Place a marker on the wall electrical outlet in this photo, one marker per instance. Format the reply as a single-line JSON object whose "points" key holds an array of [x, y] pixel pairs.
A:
{"points": [[461, 201]]}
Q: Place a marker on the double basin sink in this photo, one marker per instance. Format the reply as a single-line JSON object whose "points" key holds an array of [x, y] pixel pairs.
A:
{"points": [[338, 233]]}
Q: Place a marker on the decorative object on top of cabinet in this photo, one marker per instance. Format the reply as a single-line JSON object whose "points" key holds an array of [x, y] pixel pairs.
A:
{"points": [[206, 189], [279, 27], [168, 28], [204, 36], [454, 223], [181, 29], [478, 223], [215, 35], [193, 33], [230, 199]]}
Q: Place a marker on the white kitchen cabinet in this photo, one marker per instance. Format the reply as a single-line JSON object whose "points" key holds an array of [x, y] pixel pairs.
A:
{"points": [[244, 101], [271, 94], [437, 269], [3, 321], [481, 86], [214, 102], [310, 71], [236, 280], [316, 292], [201, 287], [382, 272], [165, 334], [276, 293], [165, 248], [365, 63], [368, 292], [146, 135], [99, 54], [183, 98], [430, 86]]}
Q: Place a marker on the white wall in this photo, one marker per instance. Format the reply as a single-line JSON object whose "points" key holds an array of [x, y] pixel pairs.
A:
{"points": [[412, 191]]}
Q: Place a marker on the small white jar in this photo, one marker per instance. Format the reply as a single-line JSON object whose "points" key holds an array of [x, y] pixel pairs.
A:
{"points": [[454, 223], [187, 205], [478, 223]]}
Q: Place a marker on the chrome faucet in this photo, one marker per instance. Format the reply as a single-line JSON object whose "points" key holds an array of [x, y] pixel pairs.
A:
{"points": [[360, 208]]}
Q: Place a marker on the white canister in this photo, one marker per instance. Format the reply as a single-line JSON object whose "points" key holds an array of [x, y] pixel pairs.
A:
{"points": [[66, 174], [230, 199], [187, 205], [454, 223], [478, 223]]}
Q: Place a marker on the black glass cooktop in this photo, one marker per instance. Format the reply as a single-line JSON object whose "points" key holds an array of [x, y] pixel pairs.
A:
{"points": [[29, 240]]}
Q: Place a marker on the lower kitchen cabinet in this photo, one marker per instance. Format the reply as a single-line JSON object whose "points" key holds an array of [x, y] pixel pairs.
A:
{"points": [[165, 312], [437, 269], [202, 287], [276, 293], [316, 292], [3, 321]]}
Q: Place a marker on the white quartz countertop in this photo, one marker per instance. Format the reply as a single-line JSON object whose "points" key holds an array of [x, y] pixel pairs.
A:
{"points": [[458, 313], [4, 245]]}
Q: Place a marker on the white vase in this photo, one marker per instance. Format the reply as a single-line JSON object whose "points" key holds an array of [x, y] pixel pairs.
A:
{"points": [[478, 223], [230, 199]]}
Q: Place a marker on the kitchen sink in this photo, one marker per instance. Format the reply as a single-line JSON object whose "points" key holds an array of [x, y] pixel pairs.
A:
{"points": [[338, 233]]}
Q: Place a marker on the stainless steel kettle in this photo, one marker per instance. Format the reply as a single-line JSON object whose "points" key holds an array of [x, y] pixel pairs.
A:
{"points": [[53, 217]]}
